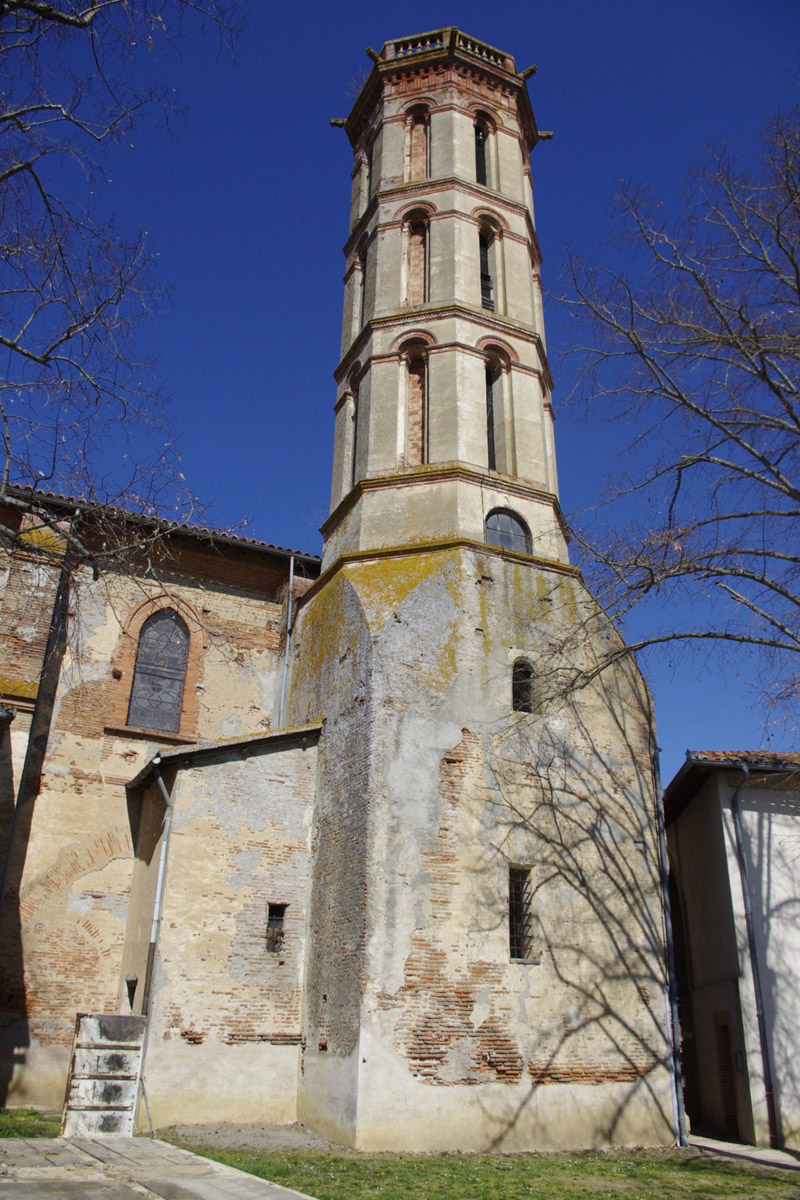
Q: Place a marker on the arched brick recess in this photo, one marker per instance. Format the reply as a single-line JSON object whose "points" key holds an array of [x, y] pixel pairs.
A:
{"points": [[124, 661]]}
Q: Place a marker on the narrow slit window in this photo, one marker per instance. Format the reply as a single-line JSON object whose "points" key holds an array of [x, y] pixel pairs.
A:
{"points": [[417, 405], [520, 915], [491, 448], [522, 687], [481, 132], [487, 274], [418, 165], [417, 263], [354, 437], [276, 915]]}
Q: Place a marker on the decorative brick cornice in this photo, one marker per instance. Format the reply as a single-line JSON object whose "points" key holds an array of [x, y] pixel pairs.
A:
{"points": [[438, 547], [441, 473], [478, 316], [427, 187]]}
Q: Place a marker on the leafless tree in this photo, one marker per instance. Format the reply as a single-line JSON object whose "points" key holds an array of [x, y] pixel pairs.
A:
{"points": [[78, 413], [696, 345]]}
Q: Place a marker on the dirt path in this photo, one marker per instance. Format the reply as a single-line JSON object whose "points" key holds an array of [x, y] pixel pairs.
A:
{"points": [[225, 1136]]}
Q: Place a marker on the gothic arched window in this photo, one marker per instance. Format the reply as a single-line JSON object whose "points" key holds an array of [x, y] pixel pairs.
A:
{"points": [[522, 686], [505, 529], [160, 673]]}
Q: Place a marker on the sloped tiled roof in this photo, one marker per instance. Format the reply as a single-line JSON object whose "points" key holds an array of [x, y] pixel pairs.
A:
{"points": [[184, 528], [702, 763]]}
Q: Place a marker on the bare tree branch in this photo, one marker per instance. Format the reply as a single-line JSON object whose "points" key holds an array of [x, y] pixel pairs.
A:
{"points": [[74, 287], [696, 346]]}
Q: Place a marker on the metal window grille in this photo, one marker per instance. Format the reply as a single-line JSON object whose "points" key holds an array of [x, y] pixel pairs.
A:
{"points": [[520, 921], [160, 673], [275, 918]]}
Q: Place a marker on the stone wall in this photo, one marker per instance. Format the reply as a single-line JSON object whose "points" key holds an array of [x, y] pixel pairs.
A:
{"points": [[65, 915], [421, 1029]]}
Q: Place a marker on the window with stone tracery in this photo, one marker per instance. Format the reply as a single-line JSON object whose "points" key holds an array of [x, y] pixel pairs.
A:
{"points": [[160, 673]]}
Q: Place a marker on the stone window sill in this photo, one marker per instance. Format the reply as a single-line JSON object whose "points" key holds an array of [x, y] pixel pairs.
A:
{"points": [[152, 735]]}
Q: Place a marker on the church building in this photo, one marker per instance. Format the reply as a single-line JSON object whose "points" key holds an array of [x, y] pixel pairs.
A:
{"points": [[370, 843]]}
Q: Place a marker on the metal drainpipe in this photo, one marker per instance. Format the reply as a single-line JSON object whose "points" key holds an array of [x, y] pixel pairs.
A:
{"points": [[162, 866], [288, 640], [766, 1064], [673, 1024]]}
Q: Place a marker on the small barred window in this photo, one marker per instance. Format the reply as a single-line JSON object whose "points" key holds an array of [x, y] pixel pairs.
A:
{"points": [[275, 932], [520, 916]]}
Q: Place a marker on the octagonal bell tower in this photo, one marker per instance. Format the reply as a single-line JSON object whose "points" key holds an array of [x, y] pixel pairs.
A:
{"points": [[484, 938], [444, 393]]}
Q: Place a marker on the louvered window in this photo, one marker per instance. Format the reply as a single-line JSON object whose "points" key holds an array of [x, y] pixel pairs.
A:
{"points": [[158, 680]]}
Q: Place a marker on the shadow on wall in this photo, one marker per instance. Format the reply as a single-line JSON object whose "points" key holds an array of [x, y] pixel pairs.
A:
{"points": [[576, 804], [570, 808], [14, 1011], [772, 854], [14, 1037]]}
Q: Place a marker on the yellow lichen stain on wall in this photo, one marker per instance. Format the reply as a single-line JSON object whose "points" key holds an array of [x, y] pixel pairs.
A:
{"points": [[43, 538], [384, 583], [25, 688]]}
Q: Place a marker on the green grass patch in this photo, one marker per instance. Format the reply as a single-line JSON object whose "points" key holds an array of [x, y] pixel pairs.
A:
{"points": [[621, 1175], [26, 1123]]}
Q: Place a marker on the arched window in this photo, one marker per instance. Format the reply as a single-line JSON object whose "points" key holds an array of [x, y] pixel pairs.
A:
{"points": [[493, 410], [353, 439], [160, 673], [417, 261], [506, 529], [481, 151], [370, 168], [485, 150], [487, 261], [418, 161], [362, 283], [522, 686]]}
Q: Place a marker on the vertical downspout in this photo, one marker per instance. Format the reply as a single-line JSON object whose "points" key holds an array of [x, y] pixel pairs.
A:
{"points": [[151, 949], [162, 867], [673, 1024], [288, 640], [766, 1063]]}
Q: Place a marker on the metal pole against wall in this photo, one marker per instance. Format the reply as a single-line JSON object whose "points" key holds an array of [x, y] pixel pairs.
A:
{"points": [[766, 1061]]}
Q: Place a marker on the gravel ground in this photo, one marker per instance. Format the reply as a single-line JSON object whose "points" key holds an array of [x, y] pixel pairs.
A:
{"points": [[256, 1137]]}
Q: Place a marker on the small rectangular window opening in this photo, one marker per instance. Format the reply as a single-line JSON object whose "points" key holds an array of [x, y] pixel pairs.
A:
{"points": [[275, 917], [520, 920]]}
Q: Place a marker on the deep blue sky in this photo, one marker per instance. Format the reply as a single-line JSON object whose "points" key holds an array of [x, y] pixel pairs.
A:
{"points": [[247, 203]]}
